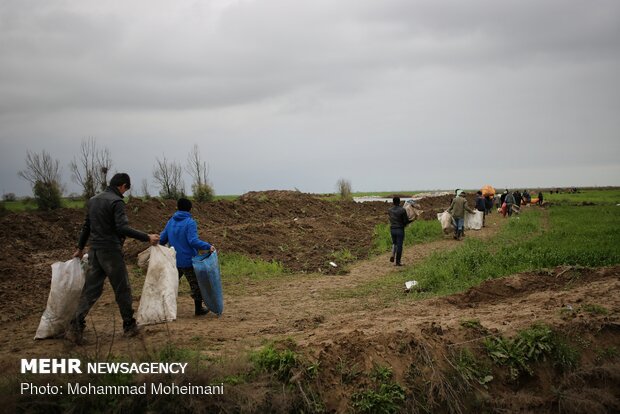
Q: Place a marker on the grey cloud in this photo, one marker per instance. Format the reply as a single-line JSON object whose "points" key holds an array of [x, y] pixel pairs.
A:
{"points": [[284, 88]]}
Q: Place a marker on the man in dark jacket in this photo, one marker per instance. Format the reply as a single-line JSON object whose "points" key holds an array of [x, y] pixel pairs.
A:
{"points": [[518, 197], [181, 233], [398, 222], [106, 226]]}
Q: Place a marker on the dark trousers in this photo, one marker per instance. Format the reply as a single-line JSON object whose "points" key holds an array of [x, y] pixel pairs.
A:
{"points": [[189, 274], [398, 238], [104, 263]]}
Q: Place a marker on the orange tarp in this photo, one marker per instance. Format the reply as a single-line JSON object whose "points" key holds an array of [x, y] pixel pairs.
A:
{"points": [[487, 190]]}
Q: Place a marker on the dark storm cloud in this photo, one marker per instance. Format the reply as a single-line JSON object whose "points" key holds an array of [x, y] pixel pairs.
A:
{"points": [[314, 80]]}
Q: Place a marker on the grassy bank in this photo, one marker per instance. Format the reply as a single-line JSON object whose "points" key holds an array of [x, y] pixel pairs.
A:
{"points": [[562, 235]]}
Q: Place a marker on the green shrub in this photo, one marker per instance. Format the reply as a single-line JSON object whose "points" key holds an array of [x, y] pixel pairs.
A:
{"points": [[278, 362], [386, 398], [47, 195], [203, 192], [469, 369], [348, 370], [529, 346]]}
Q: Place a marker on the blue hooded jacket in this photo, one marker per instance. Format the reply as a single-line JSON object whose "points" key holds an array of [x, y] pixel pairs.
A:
{"points": [[181, 233]]}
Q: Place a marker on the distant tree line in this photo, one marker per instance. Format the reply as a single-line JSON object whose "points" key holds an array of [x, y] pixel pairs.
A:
{"points": [[92, 166]]}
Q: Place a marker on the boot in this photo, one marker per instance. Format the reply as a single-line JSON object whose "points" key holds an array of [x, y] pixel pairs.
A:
{"points": [[130, 328], [75, 333], [198, 309]]}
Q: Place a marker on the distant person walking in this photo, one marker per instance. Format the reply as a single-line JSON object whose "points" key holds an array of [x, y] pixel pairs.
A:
{"points": [[510, 202], [488, 204], [457, 210], [181, 233], [540, 198], [106, 226], [481, 205], [398, 221], [518, 197], [503, 197]]}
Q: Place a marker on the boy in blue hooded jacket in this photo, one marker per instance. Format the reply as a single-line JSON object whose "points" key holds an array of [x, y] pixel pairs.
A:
{"points": [[181, 233]]}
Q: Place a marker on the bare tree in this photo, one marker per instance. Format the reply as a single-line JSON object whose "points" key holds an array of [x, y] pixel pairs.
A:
{"points": [[145, 189], [104, 161], [91, 167], [199, 171], [41, 168], [169, 177], [43, 173]]}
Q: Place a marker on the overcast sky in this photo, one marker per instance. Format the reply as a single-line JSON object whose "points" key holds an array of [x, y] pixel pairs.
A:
{"points": [[280, 94]]}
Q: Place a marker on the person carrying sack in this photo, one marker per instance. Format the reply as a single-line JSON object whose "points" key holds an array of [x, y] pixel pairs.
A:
{"points": [[106, 226], [457, 210], [181, 233]]}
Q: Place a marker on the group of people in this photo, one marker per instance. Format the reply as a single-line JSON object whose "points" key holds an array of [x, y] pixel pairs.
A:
{"points": [[484, 203], [105, 228], [399, 220], [512, 202]]}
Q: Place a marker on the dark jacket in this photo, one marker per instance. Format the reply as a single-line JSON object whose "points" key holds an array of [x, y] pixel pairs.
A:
{"points": [[488, 202], [398, 217], [518, 197], [510, 199], [182, 234], [480, 204], [106, 222]]}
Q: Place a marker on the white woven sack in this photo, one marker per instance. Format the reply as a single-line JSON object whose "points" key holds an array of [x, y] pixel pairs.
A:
{"points": [[445, 219], [65, 291], [474, 221], [158, 302]]}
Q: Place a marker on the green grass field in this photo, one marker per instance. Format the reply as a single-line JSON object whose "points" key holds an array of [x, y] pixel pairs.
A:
{"points": [[538, 239], [607, 197]]}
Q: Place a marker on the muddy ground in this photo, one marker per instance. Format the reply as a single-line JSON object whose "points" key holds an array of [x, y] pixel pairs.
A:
{"points": [[336, 330], [299, 230]]}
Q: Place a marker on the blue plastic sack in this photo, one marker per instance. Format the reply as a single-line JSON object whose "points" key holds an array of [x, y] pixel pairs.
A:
{"points": [[207, 269]]}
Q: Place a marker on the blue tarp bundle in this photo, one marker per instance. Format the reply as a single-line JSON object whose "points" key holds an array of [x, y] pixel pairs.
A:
{"points": [[207, 269]]}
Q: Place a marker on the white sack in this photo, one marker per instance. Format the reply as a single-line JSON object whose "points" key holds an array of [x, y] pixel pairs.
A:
{"points": [[67, 283], [158, 302], [143, 260], [474, 221], [412, 212], [445, 219]]}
